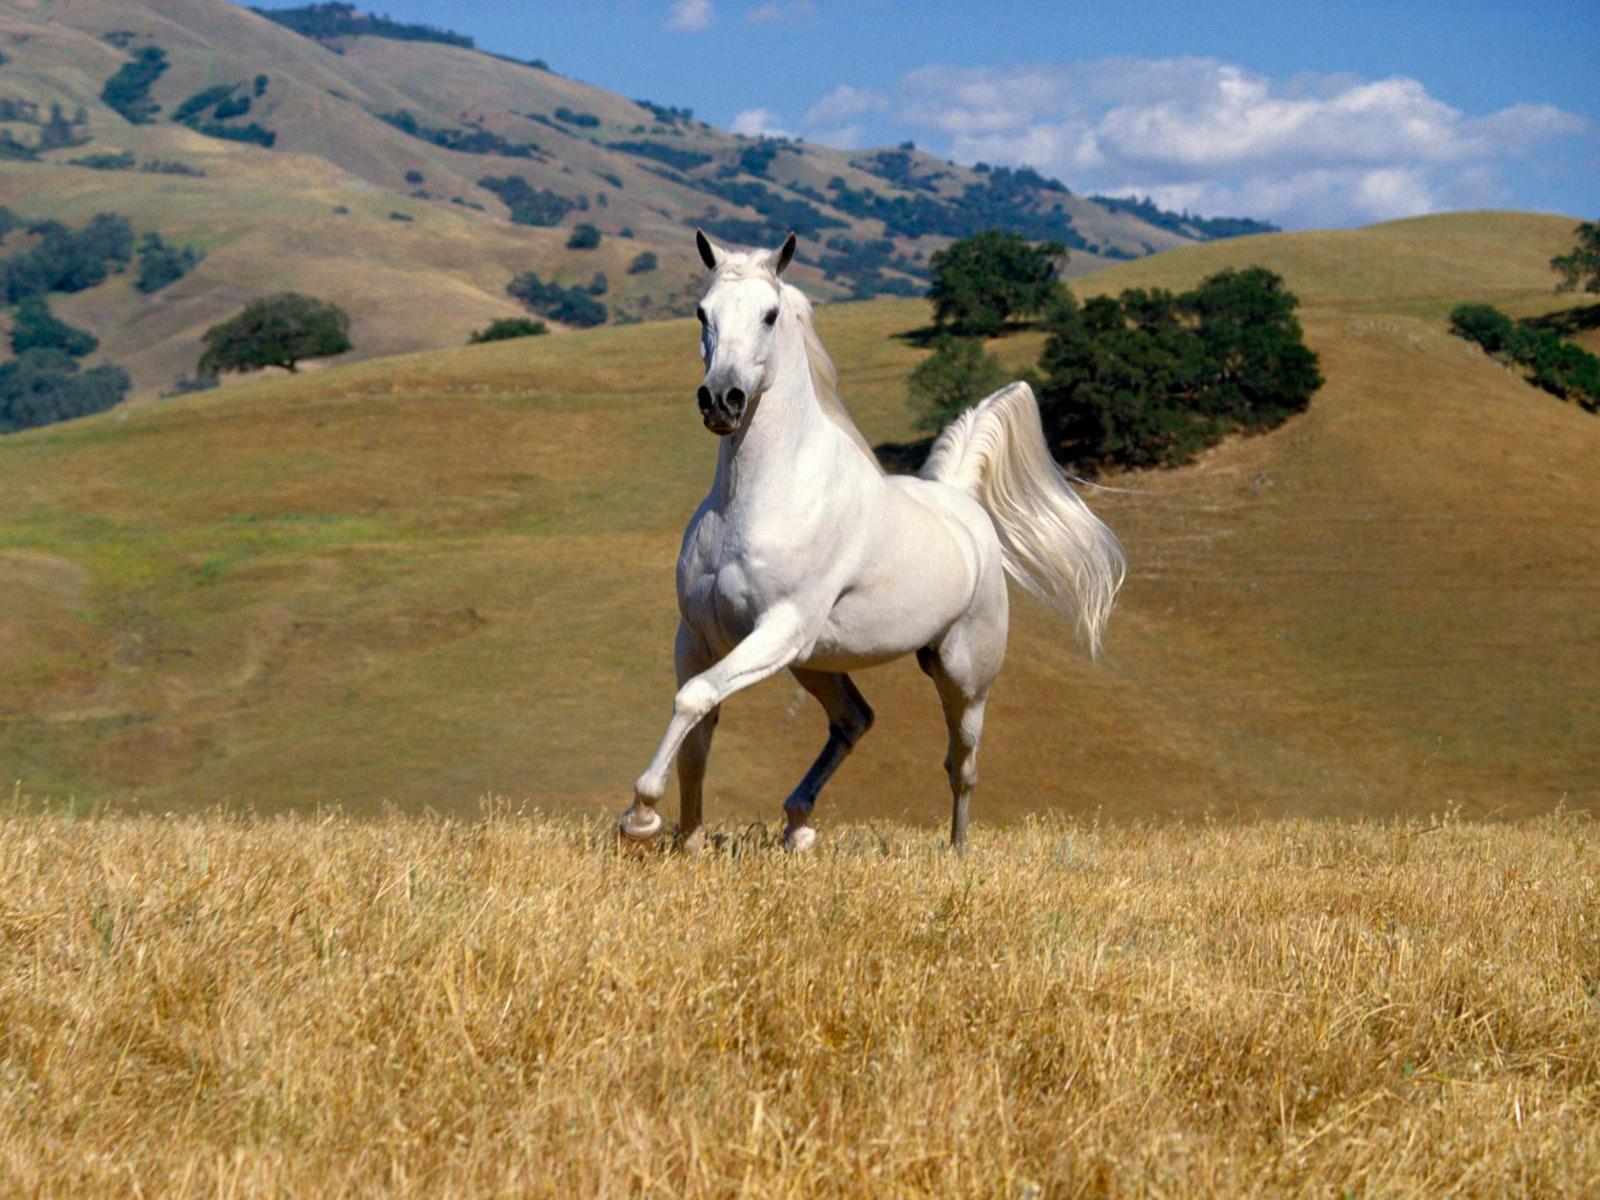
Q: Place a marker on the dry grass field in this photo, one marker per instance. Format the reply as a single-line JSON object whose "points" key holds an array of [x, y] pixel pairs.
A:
{"points": [[315, 1006]]}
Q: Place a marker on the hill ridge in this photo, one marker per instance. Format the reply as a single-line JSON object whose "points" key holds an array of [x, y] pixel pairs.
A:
{"points": [[390, 215]]}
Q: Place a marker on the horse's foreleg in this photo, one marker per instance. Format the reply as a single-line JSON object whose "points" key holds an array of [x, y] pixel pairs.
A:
{"points": [[849, 717], [772, 645]]}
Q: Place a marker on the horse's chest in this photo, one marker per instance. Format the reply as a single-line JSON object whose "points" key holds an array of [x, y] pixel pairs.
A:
{"points": [[728, 578]]}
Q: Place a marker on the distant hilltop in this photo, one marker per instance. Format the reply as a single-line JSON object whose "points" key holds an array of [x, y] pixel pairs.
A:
{"points": [[403, 173]]}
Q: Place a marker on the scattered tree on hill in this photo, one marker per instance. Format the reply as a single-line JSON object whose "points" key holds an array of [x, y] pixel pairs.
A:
{"points": [[644, 261], [339, 20], [128, 91], [1150, 378], [161, 263], [67, 260], [506, 328], [42, 386], [584, 237], [35, 327], [958, 373], [981, 282], [1484, 324], [570, 306], [1581, 267], [528, 205], [1558, 366], [275, 331]]}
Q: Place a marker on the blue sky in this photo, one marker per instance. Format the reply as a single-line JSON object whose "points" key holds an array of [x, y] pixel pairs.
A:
{"points": [[1302, 113]]}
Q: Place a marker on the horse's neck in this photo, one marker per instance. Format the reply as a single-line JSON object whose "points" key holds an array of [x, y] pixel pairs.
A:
{"points": [[786, 443]]}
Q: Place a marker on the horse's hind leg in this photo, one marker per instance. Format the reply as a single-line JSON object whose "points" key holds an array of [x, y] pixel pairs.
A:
{"points": [[963, 718], [849, 717], [963, 667]]}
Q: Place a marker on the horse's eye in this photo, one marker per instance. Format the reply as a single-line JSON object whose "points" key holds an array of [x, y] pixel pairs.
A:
{"points": [[700, 314], [772, 316]]}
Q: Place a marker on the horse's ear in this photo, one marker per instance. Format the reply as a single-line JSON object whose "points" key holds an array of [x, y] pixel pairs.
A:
{"points": [[709, 253], [785, 255]]}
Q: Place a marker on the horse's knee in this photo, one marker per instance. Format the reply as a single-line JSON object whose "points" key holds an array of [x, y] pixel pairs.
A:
{"points": [[695, 700]]}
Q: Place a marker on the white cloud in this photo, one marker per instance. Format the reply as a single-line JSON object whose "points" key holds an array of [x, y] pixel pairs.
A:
{"points": [[690, 16], [843, 103], [841, 137], [774, 12], [758, 122], [1215, 138]]}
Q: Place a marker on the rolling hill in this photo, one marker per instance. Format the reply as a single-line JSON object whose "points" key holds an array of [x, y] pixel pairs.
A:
{"points": [[373, 191], [419, 580]]}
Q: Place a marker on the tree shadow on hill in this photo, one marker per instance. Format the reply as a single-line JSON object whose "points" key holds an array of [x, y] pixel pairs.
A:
{"points": [[1566, 321], [925, 336]]}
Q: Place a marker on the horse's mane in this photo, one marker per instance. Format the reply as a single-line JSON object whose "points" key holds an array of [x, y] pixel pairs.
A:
{"points": [[796, 304]]}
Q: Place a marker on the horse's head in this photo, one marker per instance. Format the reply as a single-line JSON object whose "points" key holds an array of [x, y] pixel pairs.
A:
{"points": [[738, 329]]}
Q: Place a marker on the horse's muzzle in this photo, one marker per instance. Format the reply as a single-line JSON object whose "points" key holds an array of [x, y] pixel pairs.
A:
{"points": [[723, 412]]}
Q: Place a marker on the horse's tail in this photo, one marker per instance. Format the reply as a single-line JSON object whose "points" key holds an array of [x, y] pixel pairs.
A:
{"points": [[1054, 546]]}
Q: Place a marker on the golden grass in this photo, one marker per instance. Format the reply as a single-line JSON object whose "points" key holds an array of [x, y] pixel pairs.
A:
{"points": [[223, 1006]]}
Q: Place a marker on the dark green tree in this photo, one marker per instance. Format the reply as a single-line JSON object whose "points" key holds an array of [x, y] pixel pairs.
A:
{"points": [[275, 331], [983, 281], [1151, 378], [161, 263], [644, 261], [1484, 324], [958, 373], [584, 237], [1258, 370], [507, 328], [40, 387], [1581, 267], [35, 327]]}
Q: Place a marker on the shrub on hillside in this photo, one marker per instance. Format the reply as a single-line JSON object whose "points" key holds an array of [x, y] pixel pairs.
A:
{"points": [[570, 306], [338, 20], [506, 328], [981, 282], [128, 91], [644, 261], [40, 387], [108, 161], [275, 331], [67, 260], [1558, 366], [528, 205], [161, 263], [584, 237], [1151, 378], [1484, 324], [35, 327]]}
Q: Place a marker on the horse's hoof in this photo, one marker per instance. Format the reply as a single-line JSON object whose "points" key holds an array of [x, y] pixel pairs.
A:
{"points": [[799, 839], [640, 823], [695, 843]]}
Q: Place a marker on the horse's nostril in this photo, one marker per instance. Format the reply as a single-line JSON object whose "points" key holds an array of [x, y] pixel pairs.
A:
{"points": [[735, 396], [704, 397]]}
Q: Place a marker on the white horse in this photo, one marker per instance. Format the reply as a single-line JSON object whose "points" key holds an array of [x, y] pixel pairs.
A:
{"points": [[806, 556]]}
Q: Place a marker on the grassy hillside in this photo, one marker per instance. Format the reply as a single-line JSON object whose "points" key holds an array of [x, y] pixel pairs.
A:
{"points": [[422, 579], [416, 1007], [269, 217]]}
